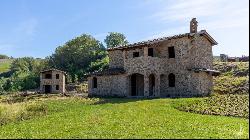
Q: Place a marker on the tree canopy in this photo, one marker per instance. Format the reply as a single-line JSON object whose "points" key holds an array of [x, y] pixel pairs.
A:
{"points": [[24, 74], [78, 55], [115, 39], [2, 56]]}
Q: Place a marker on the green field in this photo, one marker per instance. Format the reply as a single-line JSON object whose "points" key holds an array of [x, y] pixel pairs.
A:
{"points": [[123, 118], [5, 65]]}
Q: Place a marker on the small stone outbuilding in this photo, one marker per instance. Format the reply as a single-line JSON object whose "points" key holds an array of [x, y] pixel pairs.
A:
{"points": [[52, 81], [174, 66]]}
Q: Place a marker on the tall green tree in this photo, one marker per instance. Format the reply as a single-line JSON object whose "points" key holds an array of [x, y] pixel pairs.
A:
{"points": [[115, 39], [75, 56], [25, 74]]}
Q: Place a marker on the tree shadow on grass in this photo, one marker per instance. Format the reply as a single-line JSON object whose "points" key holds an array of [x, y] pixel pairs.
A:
{"points": [[119, 100]]}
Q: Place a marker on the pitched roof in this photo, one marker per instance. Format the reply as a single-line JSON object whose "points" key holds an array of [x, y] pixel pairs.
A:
{"points": [[53, 70], [153, 41], [110, 71]]}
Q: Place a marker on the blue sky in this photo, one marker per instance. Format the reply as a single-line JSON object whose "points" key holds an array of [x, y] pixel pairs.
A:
{"points": [[36, 27]]}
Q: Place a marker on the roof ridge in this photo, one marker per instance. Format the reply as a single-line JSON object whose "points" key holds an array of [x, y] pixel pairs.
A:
{"points": [[164, 38]]}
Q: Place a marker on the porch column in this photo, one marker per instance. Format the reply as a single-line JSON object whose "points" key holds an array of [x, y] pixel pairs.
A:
{"points": [[146, 85], [124, 54], [41, 84], [145, 51], [157, 85]]}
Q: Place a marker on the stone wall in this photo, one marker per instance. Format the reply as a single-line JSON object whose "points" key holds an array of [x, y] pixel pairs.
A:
{"points": [[111, 85], [201, 53], [53, 82], [190, 52], [116, 59]]}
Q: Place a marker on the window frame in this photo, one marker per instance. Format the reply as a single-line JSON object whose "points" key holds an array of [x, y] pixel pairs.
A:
{"points": [[48, 77], [149, 54], [171, 80], [137, 54], [57, 76], [171, 52]]}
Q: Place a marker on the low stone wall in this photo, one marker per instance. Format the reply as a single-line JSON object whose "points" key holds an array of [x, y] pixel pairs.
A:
{"points": [[112, 85]]}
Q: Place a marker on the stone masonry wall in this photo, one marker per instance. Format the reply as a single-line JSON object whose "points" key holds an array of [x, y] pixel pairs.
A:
{"points": [[53, 82], [112, 85], [189, 53], [116, 59]]}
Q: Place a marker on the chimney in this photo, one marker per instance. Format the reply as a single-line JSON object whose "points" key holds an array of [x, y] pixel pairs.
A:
{"points": [[193, 26]]}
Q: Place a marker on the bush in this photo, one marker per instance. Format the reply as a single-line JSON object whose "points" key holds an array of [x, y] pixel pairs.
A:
{"points": [[21, 111]]}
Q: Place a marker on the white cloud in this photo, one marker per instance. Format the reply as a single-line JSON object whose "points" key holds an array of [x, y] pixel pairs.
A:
{"points": [[226, 20]]}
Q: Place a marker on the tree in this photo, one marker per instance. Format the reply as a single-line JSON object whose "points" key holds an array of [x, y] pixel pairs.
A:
{"points": [[115, 39], [3, 56], [25, 74], [76, 55]]}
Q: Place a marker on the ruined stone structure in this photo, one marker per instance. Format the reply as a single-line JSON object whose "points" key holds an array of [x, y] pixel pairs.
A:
{"points": [[176, 66], [52, 81]]}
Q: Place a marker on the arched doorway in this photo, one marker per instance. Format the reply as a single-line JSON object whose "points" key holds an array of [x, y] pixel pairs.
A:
{"points": [[137, 84], [151, 84]]}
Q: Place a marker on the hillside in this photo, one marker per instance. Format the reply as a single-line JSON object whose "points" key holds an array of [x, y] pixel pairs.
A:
{"points": [[5, 65], [234, 78], [230, 95]]}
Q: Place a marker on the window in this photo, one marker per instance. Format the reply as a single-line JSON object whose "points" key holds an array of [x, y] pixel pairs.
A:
{"points": [[57, 87], [48, 76], [57, 76], [94, 82], [171, 80], [135, 54], [171, 52], [151, 52]]}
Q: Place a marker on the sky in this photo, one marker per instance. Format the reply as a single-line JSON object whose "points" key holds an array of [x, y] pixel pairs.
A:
{"points": [[37, 27]]}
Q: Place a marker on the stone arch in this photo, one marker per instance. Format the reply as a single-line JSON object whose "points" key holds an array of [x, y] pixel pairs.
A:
{"points": [[136, 81], [151, 84]]}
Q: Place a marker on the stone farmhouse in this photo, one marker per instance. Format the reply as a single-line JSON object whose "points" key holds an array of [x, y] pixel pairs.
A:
{"points": [[175, 66], [52, 81]]}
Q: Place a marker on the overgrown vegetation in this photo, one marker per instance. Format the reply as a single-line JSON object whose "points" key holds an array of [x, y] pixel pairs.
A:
{"points": [[20, 107], [234, 78], [226, 105], [230, 94], [14, 112], [122, 118], [25, 75], [5, 65]]}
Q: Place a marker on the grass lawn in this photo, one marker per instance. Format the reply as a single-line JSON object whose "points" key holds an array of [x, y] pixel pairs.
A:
{"points": [[124, 118], [5, 65]]}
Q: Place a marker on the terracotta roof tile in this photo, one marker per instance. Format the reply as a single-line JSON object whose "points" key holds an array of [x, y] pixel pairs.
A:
{"points": [[202, 32], [110, 71]]}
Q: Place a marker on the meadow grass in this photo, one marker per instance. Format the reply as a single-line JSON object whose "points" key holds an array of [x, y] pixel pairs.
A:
{"points": [[226, 105], [5, 65], [124, 118]]}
